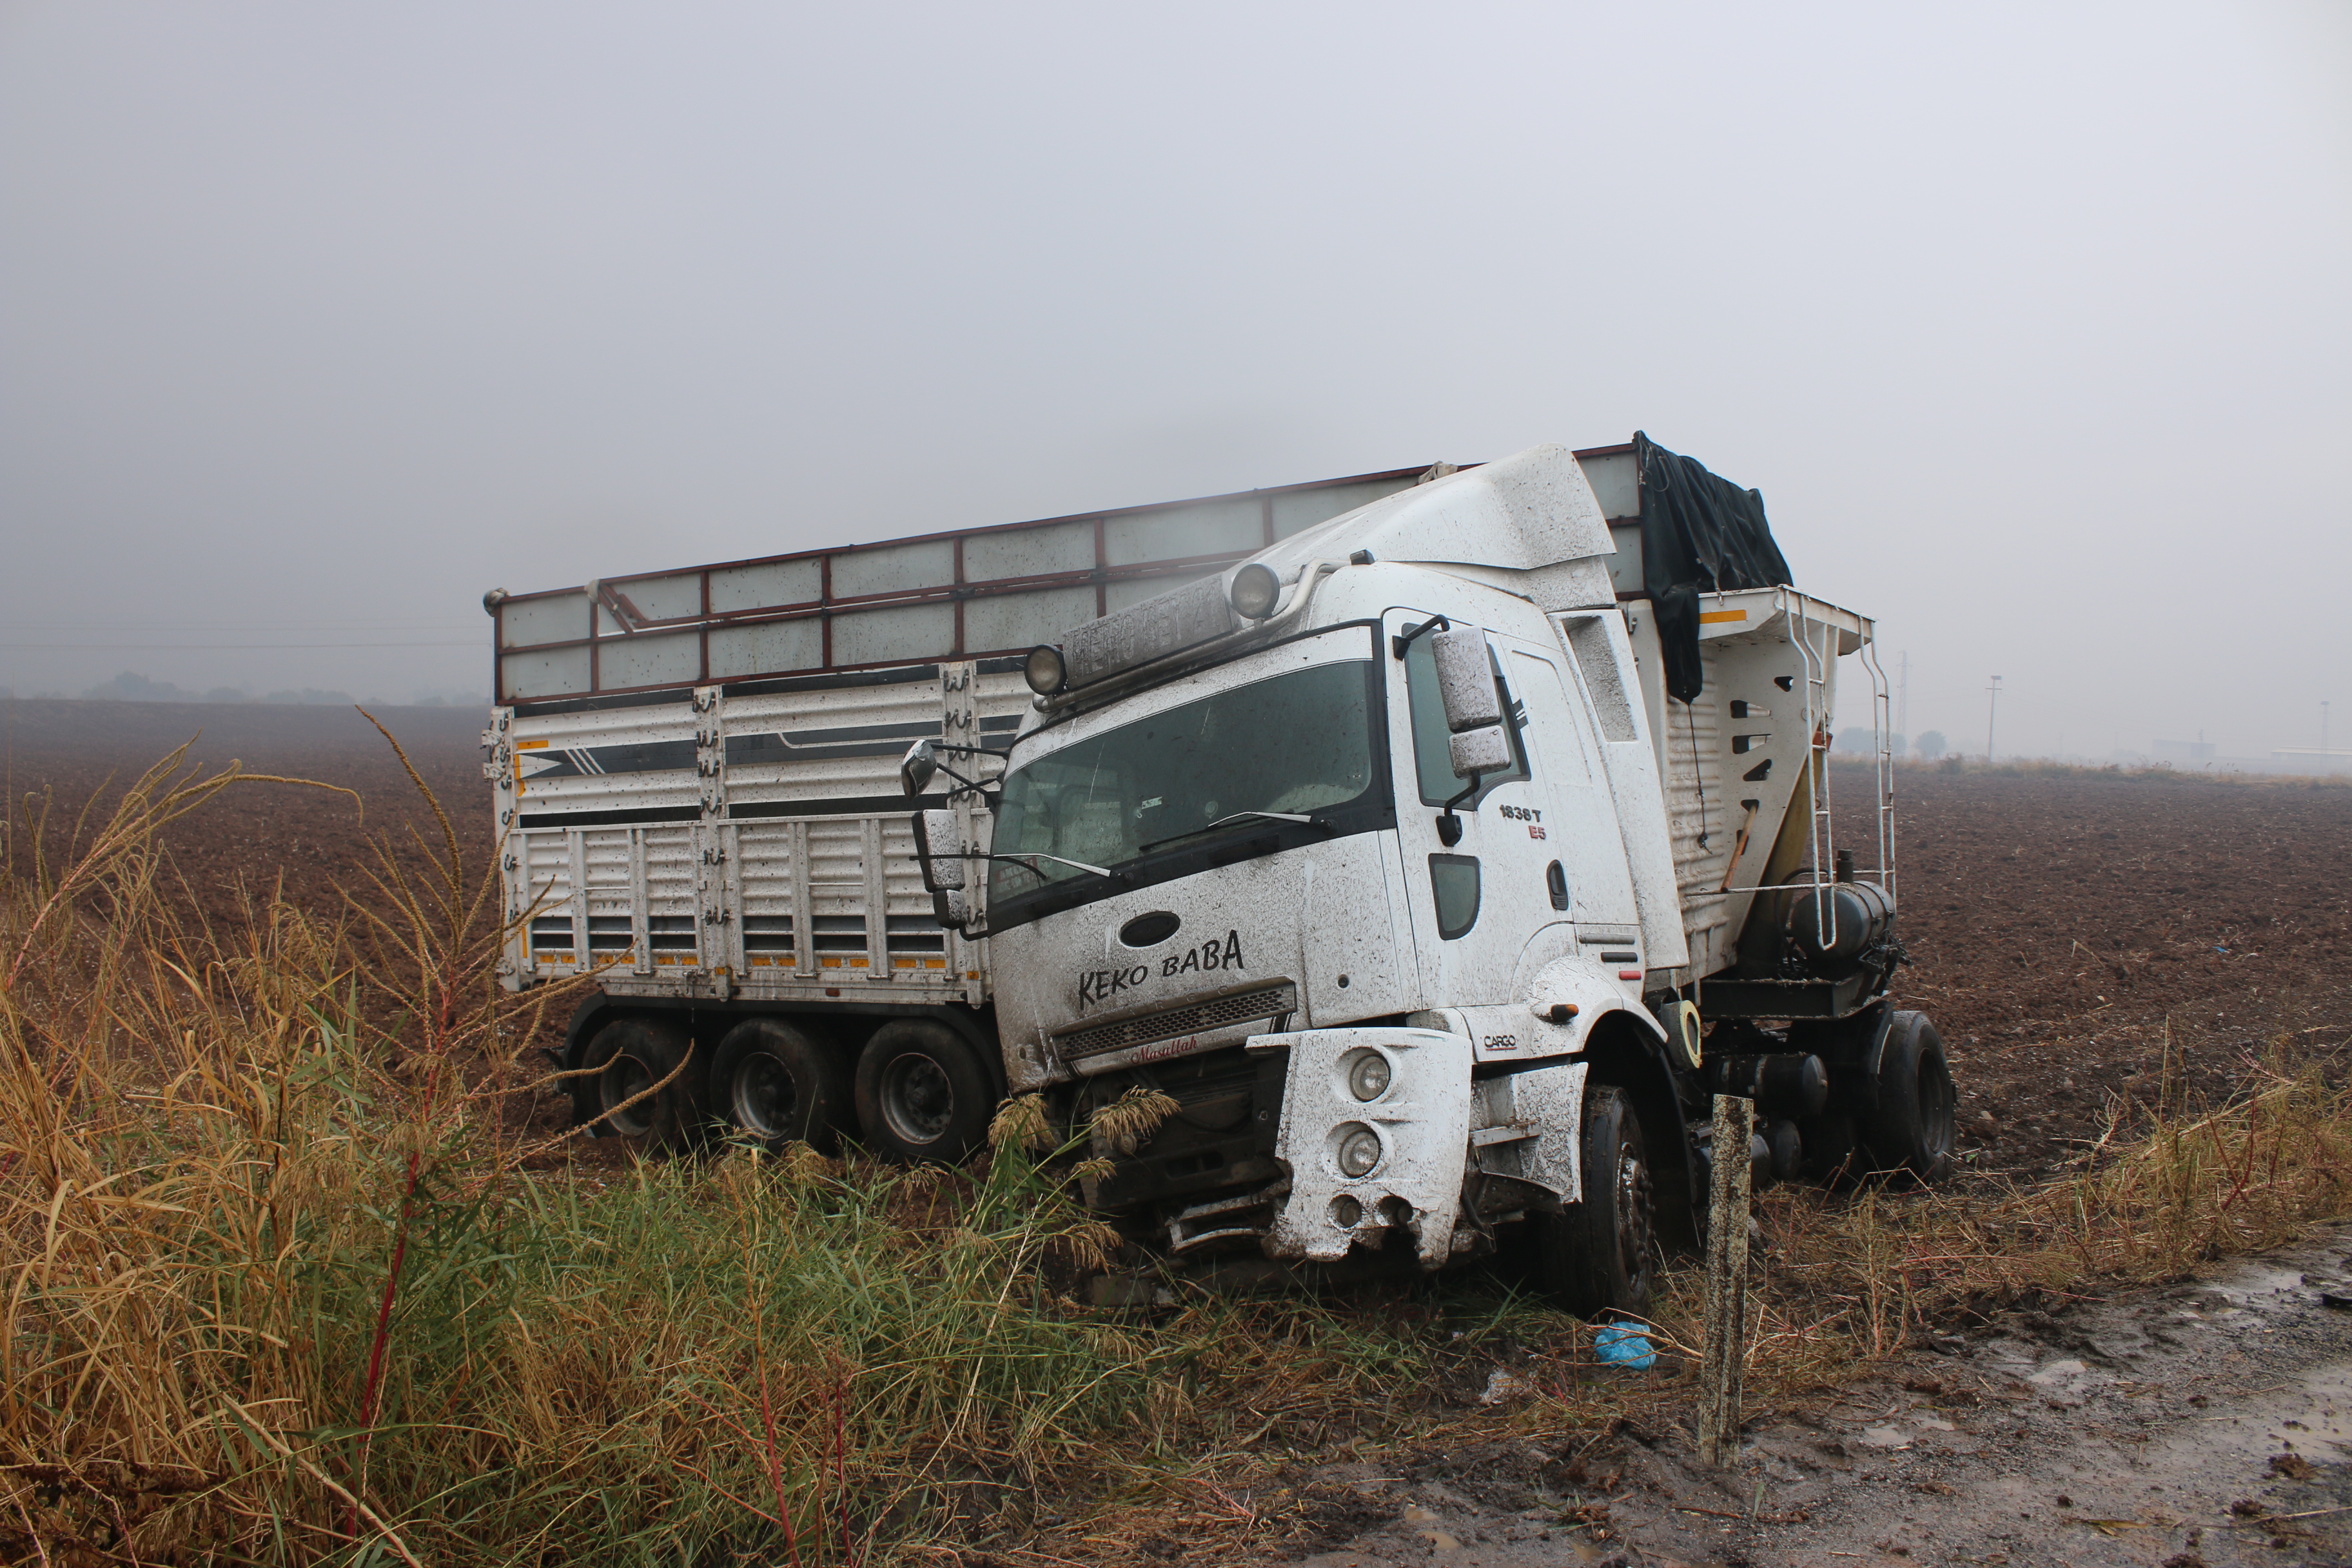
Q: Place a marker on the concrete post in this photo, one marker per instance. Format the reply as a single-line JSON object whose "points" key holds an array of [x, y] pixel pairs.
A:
{"points": [[1724, 1346]]}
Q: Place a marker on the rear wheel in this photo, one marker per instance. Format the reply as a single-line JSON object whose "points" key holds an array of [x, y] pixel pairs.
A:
{"points": [[1831, 1148], [1598, 1259], [647, 1089], [1912, 1131], [775, 1084], [922, 1094]]}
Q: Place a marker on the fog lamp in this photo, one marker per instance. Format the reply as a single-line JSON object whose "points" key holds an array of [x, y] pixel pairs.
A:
{"points": [[1346, 1211], [1368, 1075], [1044, 669], [1359, 1149], [1255, 591]]}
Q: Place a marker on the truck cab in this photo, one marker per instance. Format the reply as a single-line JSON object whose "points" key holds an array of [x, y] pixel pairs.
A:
{"points": [[1362, 854]]}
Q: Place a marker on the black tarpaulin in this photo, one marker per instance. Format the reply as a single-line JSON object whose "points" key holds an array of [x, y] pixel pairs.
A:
{"points": [[1700, 535]]}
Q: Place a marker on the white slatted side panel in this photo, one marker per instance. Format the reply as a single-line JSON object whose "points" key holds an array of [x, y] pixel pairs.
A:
{"points": [[542, 887], [803, 754], [765, 869], [610, 884], [836, 868], [673, 918], [916, 942]]}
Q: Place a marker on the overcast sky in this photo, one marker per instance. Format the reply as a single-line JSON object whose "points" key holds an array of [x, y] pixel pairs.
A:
{"points": [[2031, 322]]}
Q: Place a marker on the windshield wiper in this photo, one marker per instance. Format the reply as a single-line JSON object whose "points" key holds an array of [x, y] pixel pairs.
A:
{"points": [[1022, 856], [1236, 816]]}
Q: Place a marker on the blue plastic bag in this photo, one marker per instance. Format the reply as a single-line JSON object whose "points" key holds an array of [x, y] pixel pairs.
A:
{"points": [[1621, 1345]]}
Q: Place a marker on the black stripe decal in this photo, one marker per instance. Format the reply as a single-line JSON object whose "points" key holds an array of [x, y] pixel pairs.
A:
{"points": [[840, 806], [611, 818]]}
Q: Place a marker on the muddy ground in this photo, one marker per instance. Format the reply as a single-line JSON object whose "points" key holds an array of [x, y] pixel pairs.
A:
{"points": [[2208, 1423], [2067, 931]]}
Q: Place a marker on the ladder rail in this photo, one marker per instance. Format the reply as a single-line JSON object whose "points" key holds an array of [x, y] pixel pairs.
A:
{"points": [[1881, 699], [1822, 833]]}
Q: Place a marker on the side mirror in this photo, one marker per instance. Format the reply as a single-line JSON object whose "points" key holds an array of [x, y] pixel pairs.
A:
{"points": [[1465, 680], [1486, 750], [939, 833], [949, 909], [921, 764]]}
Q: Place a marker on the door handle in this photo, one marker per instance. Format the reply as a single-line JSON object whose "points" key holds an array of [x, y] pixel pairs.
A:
{"points": [[1556, 883]]}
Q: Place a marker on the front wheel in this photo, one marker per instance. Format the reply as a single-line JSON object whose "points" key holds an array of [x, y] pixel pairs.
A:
{"points": [[922, 1094], [1598, 1259]]}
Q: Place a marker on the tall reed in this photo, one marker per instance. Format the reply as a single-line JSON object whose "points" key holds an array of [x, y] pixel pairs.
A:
{"points": [[281, 1281]]}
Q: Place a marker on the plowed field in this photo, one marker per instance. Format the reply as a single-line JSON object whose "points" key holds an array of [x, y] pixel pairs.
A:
{"points": [[2063, 927]]}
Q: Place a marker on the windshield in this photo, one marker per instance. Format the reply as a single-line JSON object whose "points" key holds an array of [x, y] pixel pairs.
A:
{"points": [[1300, 744]]}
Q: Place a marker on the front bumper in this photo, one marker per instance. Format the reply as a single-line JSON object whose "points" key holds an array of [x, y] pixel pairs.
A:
{"points": [[1423, 1123]]}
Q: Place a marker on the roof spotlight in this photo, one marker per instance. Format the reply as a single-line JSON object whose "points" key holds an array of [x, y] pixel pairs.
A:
{"points": [[1255, 591], [1044, 669]]}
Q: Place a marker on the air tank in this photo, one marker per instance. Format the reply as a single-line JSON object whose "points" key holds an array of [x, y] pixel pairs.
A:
{"points": [[1864, 917]]}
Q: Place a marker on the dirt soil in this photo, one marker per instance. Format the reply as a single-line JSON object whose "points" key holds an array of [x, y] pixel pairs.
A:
{"points": [[2062, 927], [236, 847], [2210, 1423]]}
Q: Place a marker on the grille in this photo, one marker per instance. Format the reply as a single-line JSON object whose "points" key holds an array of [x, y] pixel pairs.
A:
{"points": [[1217, 1013]]}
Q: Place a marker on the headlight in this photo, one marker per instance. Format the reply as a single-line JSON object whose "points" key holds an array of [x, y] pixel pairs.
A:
{"points": [[1255, 589], [1359, 1149], [1368, 1075], [1044, 670]]}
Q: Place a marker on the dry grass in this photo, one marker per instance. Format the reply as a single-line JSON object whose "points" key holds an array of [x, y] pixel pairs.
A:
{"points": [[276, 1286], [1849, 1282]]}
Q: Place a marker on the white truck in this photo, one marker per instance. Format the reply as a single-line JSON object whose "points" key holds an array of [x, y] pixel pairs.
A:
{"points": [[1439, 842]]}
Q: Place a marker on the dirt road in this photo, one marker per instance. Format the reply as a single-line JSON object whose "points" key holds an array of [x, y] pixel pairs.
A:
{"points": [[2208, 1423]]}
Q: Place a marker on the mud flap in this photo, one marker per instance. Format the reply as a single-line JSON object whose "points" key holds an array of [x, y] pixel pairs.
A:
{"points": [[1530, 1127]]}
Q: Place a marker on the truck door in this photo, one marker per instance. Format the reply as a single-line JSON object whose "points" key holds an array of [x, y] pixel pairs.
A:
{"points": [[1478, 902], [1579, 827]]}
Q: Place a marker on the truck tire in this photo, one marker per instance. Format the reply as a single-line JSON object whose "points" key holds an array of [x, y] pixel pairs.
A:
{"points": [[775, 1085], [1598, 1259], [922, 1094], [1833, 1148], [631, 1055], [1911, 1132]]}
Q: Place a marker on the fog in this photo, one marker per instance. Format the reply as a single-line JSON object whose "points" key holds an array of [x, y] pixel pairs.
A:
{"points": [[2030, 322]]}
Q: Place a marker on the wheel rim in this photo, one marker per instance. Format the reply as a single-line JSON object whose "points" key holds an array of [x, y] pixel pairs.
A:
{"points": [[764, 1097], [1935, 1110], [917, 1100], [624, 1077], [1633, 1227]]}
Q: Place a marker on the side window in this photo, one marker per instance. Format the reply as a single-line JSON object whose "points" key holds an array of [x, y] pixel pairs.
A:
{"points": [[1454, 879], [1560, 731], [1433, 763]]}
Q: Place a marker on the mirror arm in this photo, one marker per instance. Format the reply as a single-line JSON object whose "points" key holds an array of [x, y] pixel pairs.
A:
{"points": [[1449, 826], [967, 784], [1404, 640]]}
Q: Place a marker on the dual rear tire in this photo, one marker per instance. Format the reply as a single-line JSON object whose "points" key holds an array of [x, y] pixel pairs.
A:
{"points": [[1908, 1131], [919, 1094]]}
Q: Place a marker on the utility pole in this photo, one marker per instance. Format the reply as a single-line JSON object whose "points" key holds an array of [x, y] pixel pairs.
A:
{"points": [[1902, 706], [1992, 706], [2323, 728]]}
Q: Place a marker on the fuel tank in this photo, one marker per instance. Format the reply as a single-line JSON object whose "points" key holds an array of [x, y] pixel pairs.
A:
{"points": [[1835, 928]]}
